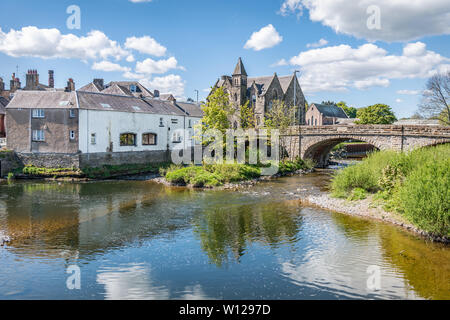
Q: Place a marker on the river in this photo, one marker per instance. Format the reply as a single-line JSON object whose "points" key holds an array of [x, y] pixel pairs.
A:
{"points": [[142, 240]]}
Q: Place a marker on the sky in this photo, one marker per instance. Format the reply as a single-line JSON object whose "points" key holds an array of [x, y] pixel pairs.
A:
{"points": [[358, 51]]}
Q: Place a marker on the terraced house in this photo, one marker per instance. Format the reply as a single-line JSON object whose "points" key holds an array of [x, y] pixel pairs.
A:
{"points": [[76, 129]]}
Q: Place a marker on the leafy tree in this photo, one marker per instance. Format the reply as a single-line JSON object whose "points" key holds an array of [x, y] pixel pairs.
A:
{"points": [[247, 116], [329, 103], [376, 114], [436, 98], [280, 116], [350, 111], [217, 112]]}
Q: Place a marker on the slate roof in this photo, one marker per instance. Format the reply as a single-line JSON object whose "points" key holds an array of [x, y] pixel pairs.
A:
{"points": [[239, 70], [91, 87], [191, 109], [126, 84], [121, 103], [330, 110], [3, 103], [43, 100]]}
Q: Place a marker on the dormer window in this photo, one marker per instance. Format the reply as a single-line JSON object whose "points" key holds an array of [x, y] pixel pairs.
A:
{"points": [[133, 88]]}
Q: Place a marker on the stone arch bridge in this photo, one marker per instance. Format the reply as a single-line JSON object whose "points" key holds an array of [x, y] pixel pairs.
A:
{"points": [[316, 142]]}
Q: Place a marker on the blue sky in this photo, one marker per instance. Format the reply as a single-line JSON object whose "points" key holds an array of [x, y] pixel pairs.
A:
{"points": [[180, 46]]}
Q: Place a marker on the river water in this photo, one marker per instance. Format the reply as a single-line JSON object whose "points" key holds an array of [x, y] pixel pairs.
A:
{"points": [[142, 240]]}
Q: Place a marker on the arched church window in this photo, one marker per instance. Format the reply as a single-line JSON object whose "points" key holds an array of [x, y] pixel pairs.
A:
{"points": [[235, 97], [275, 94]]}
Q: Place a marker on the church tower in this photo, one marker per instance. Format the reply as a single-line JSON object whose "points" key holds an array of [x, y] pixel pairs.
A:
{"points": [[239, 85]]}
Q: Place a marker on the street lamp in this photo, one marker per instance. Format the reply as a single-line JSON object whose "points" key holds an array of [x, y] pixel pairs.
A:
{"points": [[295, 94]]}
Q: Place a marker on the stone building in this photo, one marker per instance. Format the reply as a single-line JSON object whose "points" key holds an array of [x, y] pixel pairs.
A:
{"points": [[260, 92], [3, 103], [321, 115]]}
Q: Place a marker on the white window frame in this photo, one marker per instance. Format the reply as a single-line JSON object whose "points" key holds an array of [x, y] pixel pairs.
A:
{"points": [[176, 137], [72, 134], [38, 113], [72, 113], [38, 136]]}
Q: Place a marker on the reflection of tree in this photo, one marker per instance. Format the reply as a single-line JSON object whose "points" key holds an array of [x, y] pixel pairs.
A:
{"points": [[425, 265], [228, 231]]}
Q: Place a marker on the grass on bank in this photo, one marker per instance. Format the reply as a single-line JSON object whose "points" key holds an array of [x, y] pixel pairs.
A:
{"points": [[219, 174], [415, 184]]}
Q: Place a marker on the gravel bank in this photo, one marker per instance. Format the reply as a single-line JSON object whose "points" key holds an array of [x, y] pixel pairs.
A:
{"points": [[366, 208]]}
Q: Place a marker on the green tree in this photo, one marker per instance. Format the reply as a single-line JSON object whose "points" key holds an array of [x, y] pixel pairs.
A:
{"points": [[217, 112], [247, 116], [329, 103], [376, 114], [280, 116], [350, 111]]}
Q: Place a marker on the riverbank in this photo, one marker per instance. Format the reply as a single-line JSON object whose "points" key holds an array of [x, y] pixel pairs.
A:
{"points": [[414, 185], [368, 208]]}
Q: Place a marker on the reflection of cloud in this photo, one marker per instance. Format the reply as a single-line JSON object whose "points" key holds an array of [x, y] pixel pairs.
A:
{"points": [[134, 282], [194, 293], [130, 283]]}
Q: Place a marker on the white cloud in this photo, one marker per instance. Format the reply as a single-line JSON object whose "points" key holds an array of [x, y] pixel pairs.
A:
{"points": [[146, 45], [50, 43], [409, 92], [265, 38], [280, 63], [150, 66], [130, 58], [318, 44], [401, 20], [171, 83], [109, 67], [398, 100], [342, 67]]}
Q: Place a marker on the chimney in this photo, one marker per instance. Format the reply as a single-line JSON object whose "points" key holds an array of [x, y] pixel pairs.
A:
{"points": [[70, 85], [51, 79], [14, 84], [2, 85], [156, 93], [32, 80], [99, 83]]}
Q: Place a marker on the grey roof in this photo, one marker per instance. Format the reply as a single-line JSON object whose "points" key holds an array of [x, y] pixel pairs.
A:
{"points": [[117, 90], [121, 103], [192, 109], [43, 100], [3, 103], [239, 70], [285, 81], [91, 87], [330, 110], [262, 83], [126, 84]]}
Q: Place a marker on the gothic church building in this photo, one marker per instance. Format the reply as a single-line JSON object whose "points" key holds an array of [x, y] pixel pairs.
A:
{"points": [[261, 92]]}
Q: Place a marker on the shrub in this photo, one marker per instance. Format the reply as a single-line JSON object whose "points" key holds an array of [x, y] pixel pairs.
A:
{"points": [[357, 194], [425, 197]]}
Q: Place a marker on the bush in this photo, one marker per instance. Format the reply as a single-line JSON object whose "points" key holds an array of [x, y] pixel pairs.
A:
{"points": [[357, 194], [425, 197]]}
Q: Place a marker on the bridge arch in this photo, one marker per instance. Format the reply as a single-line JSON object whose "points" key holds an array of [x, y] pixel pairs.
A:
{"points": [[319, 149]]}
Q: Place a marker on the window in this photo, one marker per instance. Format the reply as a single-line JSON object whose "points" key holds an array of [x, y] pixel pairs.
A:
{"points": [[72, 135], [254, 99], [38, 113], [190, 123], [161, 122], [136, 108], [176, 137], [38, 135], [105, 105], [133, 88], [175, 121], [127, 139], [258, 120], [235, 97], [93, 138], [149, 139], [275, 94], [72, 113]]}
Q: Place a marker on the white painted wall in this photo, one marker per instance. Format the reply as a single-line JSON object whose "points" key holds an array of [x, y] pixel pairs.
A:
{"points": [[109, 125]]}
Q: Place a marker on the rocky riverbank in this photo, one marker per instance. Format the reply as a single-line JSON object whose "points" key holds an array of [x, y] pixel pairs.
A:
{"points": [[367, 208]]}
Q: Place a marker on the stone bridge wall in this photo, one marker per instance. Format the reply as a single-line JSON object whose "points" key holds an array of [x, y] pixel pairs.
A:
{"points": [[316, 142]]}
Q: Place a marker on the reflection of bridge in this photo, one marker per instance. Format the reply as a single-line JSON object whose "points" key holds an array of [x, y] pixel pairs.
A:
{"points": [[316, 142]]}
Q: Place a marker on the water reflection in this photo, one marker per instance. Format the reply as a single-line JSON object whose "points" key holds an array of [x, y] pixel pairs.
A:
{"points": [[140, 240]]}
